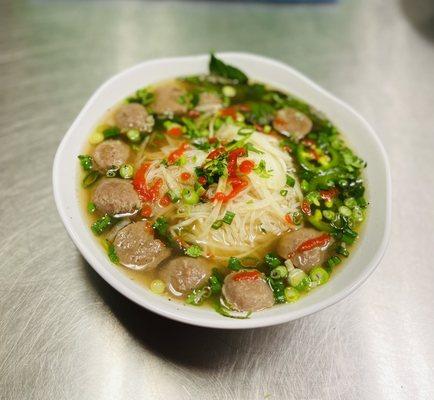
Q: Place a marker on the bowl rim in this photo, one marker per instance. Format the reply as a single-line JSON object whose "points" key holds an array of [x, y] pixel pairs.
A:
{"points": [[224, 322]]}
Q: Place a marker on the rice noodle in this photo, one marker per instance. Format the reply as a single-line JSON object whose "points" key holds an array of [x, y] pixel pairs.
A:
{"points": [[259, 209]]}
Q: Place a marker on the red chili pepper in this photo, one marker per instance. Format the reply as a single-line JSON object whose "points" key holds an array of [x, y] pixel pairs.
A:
{"points": [[229, 112], [310, 244], [329, 194], [139, 182], [193, 113], [176, 131], [146, 211], [165, 201], [238, 184], [288, 219], [176, 154], [201, 180], [215, 153], [247, 166], [305, 208], [232, 161], [185, 176], [247, 276]]}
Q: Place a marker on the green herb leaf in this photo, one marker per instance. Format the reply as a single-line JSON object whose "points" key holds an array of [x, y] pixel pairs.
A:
{"points": [[219, 68], [229, 217], [111, 252], [234, 264], [261, 170], [99, 226], [111, 132], [86, 162]]}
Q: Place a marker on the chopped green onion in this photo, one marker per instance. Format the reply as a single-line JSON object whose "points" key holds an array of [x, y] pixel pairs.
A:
{"points": [[229, 91], [194, 251], [126, 171], [86, 162], [272, 260], [190, 196], [358, 214], [96, 138], [342, 250], [245, 131], [174, 198], [297, 217], [350, 202], [345, 211], [158, 286], [291, 294], [91, 207], [304, 185], [278, 288], [111, 252], [319, 275], [229, 217], [133, 135], [111, 173], [333, 261], [267, 129], [298, 279], [330, 215], [217, 224], [197, 296], [290, 181], [111, 132], [215, 281], [328, 203], [279, 272], [234, 264], [283, 192], [181, 161], [101, 225], [91, 178]]}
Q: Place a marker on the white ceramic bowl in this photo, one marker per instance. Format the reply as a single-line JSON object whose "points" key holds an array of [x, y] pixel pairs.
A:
{"points": [[360, 135]]}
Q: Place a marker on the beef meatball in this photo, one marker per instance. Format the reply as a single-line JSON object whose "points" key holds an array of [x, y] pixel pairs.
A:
{"points": [[166, 100], [132, 116], [247, 291], [137, 249], [115, 196], [183, 274], [289, 243], [110, 154], [293, 123]]}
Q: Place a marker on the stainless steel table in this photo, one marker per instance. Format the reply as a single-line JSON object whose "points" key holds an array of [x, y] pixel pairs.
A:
{"points": [[65, 334]]}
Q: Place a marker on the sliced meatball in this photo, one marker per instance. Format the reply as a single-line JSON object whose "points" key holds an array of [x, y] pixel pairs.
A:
{"points": [[166, 100], [132, 116], [291, 122], [116, 196], [289, 244], [183, 274], [110, 154], [208, 101], [137, 249], [247, 291]]}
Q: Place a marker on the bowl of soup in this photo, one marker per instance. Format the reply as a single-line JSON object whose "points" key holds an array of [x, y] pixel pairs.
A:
{"points": [[225, 191]]}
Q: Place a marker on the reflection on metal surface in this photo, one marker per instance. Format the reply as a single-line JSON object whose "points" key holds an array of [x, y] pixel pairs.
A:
{"points": [[65, 334]]}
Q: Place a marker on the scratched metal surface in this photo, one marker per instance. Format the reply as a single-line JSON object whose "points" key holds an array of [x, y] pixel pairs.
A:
{"points": [[65, 334]]}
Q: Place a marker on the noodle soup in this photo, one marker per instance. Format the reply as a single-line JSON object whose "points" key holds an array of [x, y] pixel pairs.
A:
{"points": [[218, 190]]}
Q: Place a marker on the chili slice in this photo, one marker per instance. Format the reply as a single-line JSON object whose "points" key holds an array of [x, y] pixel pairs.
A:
{"points": [[247, 276], [310, 244]]}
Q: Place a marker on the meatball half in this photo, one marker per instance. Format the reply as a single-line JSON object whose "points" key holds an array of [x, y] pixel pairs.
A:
{"points": [[116, 196], [247, 291], [137, 249], [293, 123], [110, 154], [183, 274], [167, 100], [290, 246], [132, 116]]}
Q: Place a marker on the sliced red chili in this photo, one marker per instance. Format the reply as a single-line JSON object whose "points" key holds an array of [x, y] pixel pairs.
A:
{"points": [[247, 276], [247, 166], [305, 208], [329, 194], [215, 153], [185, 176], [146, 211], [176, 131], [165, 201], [176, 154], [310, 244], [201, 180]]}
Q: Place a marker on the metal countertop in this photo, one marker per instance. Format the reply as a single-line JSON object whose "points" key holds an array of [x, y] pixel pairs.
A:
{"points": [[65, 334]]}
